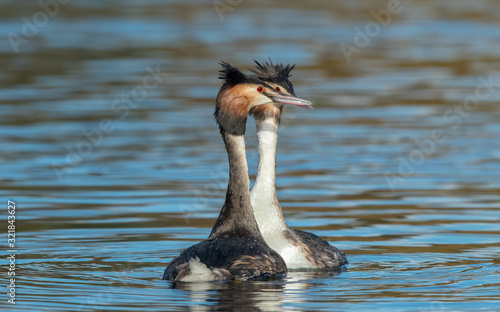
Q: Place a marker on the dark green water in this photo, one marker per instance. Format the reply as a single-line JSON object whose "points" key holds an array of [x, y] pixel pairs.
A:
{"points": [[109, 149]]}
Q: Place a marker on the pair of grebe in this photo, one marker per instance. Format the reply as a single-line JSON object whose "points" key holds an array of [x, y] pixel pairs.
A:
{"points": [[250, 239]]}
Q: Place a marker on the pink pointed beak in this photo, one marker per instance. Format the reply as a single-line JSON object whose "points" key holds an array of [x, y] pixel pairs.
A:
{"points": [[290, 100]]}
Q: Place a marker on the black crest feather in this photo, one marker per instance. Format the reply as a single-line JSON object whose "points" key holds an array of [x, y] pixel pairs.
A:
{"points": [[278, 74], [230, 74], [233, 76]]}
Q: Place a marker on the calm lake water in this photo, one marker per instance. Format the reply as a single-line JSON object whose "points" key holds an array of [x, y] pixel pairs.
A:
{"points": [[111, 154]]}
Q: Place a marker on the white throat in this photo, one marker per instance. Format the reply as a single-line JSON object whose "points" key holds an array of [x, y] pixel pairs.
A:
{"points": [[266, 207], [265, 203]]}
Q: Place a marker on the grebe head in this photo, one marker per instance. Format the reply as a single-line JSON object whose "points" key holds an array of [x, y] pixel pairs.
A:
{"points": [[242, 93], [277, 76]]}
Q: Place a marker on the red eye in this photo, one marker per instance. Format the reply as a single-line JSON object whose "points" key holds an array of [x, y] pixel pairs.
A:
{"points": [[278, 89], [260, 89]]}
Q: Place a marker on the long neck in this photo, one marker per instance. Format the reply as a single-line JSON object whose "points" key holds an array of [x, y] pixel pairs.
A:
{"points": [[267, 209], [236, 217]]}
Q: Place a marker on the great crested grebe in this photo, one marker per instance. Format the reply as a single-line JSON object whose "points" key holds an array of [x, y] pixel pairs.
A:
{"points": [[235, 249], [299, 249]]}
